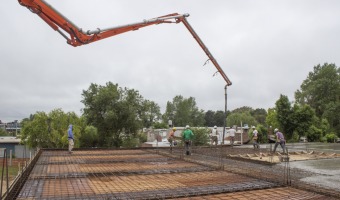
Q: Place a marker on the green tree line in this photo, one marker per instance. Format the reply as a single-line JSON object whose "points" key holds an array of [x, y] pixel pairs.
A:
{"points": [[114, 116]]}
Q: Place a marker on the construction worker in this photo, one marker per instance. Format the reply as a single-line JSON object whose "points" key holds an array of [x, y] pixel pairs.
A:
{"points": [[280, 139], [70, 138], [171, 137], [255, 138], [187, 136], [214, 136], [232, 132]]}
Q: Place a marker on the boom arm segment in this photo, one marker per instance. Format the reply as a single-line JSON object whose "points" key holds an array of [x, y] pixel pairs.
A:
{"points": [[75, 36], [206, 50]]}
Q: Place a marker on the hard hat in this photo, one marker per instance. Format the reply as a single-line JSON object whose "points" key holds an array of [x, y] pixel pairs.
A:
{"points": [[174, 128], [253, 127], [215, 126], [187, 126], [276, 130]]}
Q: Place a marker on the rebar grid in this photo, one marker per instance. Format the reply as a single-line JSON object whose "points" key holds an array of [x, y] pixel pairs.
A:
{"points": [[148, 174], [134, 177], [220, 158], [282, 193]]}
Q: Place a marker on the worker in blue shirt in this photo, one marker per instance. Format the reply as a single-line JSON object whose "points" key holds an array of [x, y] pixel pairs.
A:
{"points": [[70, 139]]}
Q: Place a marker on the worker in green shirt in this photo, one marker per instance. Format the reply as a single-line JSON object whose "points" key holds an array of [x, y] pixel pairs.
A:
{"points": [[187, 136]]}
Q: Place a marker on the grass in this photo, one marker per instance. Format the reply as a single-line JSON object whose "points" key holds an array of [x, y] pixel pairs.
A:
{"points": [[12, 172]]}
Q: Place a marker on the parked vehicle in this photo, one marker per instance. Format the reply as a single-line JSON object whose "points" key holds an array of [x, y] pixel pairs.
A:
{"points": [[303, 139]]}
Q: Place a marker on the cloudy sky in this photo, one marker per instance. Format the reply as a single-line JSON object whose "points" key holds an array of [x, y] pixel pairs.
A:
{"points": [[265, 47]]}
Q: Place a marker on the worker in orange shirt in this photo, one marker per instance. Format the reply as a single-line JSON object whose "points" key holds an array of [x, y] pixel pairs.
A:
{"points": [[171, 137]]}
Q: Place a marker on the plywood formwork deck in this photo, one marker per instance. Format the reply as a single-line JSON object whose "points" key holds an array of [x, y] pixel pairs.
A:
{"points": [[140, 174]]}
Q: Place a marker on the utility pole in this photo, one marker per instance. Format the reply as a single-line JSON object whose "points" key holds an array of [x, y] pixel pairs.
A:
{"points": [[16, 127]]}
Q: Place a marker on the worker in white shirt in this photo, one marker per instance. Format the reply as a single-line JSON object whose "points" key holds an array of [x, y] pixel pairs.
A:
{"points": [[255, 138], [232, 132], [214, 136]]}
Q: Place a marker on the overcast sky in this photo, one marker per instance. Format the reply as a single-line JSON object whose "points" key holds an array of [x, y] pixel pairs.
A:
{"points": [[265, 47]]}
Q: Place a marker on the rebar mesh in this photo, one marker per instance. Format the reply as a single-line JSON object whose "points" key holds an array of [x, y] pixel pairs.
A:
{"points": [[154, 174], [220, 158]]}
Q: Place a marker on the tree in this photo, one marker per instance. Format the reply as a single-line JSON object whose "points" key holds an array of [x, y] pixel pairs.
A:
{"points": [[183, 112], [213, 118], [50, 130], [209, 118], [150, 113], [303, 118], [243, 109], [90, 137], [219, 118], [321, 90], [284, 115], [294, 122], [314, 134], [271, 119], [241, 118], [116, 112], [332, 115], [160, 125], [35, 133], [260, 115], [324, 126], [3, 132], [170, 112]]}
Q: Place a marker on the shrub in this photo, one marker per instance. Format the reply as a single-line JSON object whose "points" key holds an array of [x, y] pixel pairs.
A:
{"points": [[201, 136], [262, 133], [331, 137], [142, 137], [295, 137], [130, 142], [314, 134]]}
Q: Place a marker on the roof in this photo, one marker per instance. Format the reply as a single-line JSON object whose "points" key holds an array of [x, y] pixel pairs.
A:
{"points": [[9, 140]]}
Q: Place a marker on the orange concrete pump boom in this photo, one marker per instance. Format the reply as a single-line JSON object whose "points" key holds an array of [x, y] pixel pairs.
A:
{"points": [[75, 36]]}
